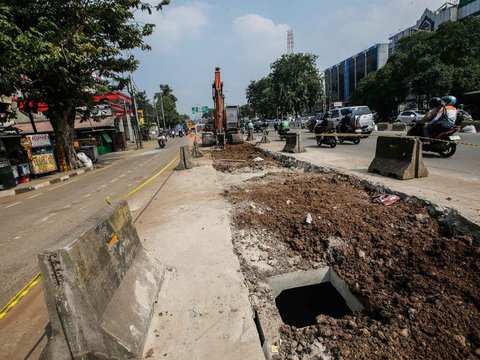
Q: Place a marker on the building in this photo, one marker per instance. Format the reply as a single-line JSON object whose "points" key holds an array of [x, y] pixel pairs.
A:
{"points": [[431, 20], [342, 79]]}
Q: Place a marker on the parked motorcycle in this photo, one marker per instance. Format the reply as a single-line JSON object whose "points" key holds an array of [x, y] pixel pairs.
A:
{"points": [[352, 130], [162, 140], [325, 127], [444, 146]]}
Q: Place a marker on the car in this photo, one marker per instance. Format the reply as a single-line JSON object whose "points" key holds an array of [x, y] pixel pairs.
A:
{"points": [[313, 121], [362, 113], [410, 117], [259, 125]]}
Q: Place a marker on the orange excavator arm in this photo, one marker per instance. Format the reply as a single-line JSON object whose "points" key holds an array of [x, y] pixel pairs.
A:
{"points": [[218, 103]]}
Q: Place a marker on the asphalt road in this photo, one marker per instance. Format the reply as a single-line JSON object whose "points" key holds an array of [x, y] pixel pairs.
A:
{"points": [[465, 161], [34, 221]]}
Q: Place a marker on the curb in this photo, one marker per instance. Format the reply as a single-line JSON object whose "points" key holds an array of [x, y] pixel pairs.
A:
{"points": [[56, 180]]}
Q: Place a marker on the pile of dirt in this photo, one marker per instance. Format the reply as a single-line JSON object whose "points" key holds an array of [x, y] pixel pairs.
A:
{"points": [[420, 289], [242, 156]]}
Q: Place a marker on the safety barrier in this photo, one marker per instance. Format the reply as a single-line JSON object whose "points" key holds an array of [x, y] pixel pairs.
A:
{"points": [[399, 157], [382, 126], [294, 143], [184, 163], [100, 289], [265, 139]]}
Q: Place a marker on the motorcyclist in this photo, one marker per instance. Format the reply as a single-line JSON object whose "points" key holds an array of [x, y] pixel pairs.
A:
{"points": [[284, 125], [435, 104], [444, 119], [347, 122]]}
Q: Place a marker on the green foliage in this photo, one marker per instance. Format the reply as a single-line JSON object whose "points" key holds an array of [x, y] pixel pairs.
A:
{"points": [[52, 49], [144, 104], [209, 114], [293, 87], [426, 64], [165, 96]]}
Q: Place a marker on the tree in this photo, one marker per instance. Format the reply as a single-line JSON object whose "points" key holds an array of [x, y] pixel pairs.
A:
{"points": [[166, 99], [56, 50], [144, 104], [296, 83], [261, 98]]}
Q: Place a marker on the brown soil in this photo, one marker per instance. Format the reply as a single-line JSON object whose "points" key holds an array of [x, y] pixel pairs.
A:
{"points": [[241, 156], [419, 288]]}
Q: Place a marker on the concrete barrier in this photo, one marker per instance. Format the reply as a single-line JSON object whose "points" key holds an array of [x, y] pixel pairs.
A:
{"points": [[382, 126], [185, 162], [399, 157], [265, 139], [399, 126], [196, 152], [294, 143], [100, 288]]}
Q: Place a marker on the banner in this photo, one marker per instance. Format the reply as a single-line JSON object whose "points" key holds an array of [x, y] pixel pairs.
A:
{"points": [[43, 163]]}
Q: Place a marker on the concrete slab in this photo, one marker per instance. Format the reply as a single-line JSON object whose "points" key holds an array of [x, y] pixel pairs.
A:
{"points": [[203, 311]]}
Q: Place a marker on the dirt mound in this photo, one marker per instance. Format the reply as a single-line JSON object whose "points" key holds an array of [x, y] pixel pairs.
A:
{"points": [[419, 288], [241, 156]]}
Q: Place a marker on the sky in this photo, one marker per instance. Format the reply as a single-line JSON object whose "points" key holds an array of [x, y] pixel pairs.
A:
{"points": [[243, 37]]}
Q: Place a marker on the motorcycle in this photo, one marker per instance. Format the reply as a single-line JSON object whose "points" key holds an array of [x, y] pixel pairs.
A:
{"points": [[351, 130], [325, 127], [444, 146], [162, 140]]}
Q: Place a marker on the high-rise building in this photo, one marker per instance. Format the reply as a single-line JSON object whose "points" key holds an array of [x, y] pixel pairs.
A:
{"points": [[290, 41]]}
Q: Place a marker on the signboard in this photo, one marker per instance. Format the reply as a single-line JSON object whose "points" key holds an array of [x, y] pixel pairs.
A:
{"points": [[204, 109], [43, 163], [40, 140], [337, 104], [194, 109], [141, 119]]}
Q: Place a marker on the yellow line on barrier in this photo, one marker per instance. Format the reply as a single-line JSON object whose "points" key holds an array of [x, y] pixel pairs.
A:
{"points": [[141, 186], [20, 295]]}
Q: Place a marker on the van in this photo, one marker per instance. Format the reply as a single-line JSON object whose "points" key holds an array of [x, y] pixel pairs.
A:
{"points": [[362, 114]]}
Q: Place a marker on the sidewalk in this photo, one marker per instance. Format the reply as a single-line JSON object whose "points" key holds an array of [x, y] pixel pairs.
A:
{"points": [[47, 180], [203, 311]]}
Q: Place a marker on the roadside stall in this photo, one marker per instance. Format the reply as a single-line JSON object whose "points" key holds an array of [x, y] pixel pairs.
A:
{"points": [[43, 155]]}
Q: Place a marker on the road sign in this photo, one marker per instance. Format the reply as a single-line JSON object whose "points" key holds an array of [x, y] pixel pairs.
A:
{"points": [[204, 109], [194, 109]]}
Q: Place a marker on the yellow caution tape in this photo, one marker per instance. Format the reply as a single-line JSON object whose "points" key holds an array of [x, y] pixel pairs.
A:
{"points": [[20, 295], [396, 135], [141, 186]]}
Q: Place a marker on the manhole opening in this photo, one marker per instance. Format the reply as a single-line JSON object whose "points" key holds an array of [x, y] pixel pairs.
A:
{"points": [[302, 296], [300, 306]]}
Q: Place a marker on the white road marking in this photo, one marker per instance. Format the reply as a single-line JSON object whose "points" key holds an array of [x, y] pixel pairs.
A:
{"points": [[122, 175], [65, 183], [129, 171], [113, 180], [16, 203], [86, 195], [31, 197]]}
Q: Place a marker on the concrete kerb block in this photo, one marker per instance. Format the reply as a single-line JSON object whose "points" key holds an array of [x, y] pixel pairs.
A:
{"points": [[382, 126], [196, 152], [293, 143], [100, 288], [265, 139], [184, 159], [398, 157], [399, 126]]}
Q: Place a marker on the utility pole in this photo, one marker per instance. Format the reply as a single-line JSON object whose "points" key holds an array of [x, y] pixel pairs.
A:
{"points": [[163, 113], [134, 106]]}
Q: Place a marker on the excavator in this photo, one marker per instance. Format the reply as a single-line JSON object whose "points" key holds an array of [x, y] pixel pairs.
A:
{"points": [[225, 129]]}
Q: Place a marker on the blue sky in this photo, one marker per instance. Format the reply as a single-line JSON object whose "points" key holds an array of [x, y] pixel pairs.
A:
{"points": [[244, 37]]}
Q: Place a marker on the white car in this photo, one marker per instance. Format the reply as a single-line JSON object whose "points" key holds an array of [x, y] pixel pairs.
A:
{"points": [[410, 117], [361, 113]]}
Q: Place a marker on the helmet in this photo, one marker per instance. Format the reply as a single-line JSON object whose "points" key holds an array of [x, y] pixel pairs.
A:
{"points": [[435, 102], [449, 100], [460, 106]]}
